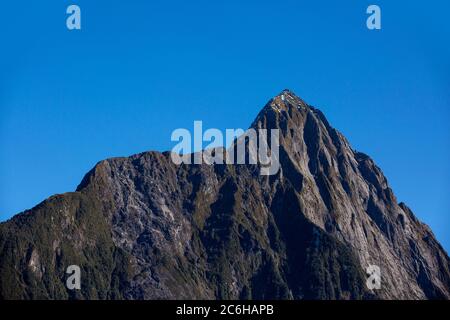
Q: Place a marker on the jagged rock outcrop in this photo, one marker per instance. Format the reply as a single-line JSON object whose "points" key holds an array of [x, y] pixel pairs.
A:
{"points": [[144, 228]]}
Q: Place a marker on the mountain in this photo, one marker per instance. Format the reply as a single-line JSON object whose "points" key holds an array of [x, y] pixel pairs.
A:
{"points": [[143, 227]]}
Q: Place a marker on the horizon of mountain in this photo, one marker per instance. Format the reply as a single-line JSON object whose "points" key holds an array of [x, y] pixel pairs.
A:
{"points": [[141, 227]]}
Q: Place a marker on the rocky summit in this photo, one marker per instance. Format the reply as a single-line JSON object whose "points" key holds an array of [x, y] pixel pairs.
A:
{"points": [[143, 227]]}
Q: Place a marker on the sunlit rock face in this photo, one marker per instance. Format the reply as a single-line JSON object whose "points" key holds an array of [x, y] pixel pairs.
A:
{"points": [[143, 227]]}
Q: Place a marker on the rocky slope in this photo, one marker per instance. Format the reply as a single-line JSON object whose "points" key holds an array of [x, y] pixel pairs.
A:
{"points": [[144, 228]]}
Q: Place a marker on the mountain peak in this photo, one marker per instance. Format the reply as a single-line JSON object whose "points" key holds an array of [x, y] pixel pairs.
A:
{"points": [[280, 108], [285, 100]]}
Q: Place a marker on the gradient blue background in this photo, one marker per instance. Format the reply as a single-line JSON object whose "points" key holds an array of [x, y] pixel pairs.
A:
{"points": [[139, 69]]}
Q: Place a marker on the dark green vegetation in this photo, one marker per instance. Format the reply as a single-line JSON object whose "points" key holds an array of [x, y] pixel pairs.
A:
{"points": [[63, 230]]}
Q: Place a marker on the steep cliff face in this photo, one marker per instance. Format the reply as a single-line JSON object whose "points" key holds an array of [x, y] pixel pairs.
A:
{"points": [[144, 228]]}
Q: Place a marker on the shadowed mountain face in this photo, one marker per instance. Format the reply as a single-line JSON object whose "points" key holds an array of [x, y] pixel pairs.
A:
{"points": [[144, 228]]}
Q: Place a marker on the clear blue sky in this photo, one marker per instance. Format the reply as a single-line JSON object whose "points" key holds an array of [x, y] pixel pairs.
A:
{"points": [[139, 69]]}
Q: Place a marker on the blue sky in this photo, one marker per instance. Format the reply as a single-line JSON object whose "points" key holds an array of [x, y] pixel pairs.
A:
{"points": [[140, 69]]}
